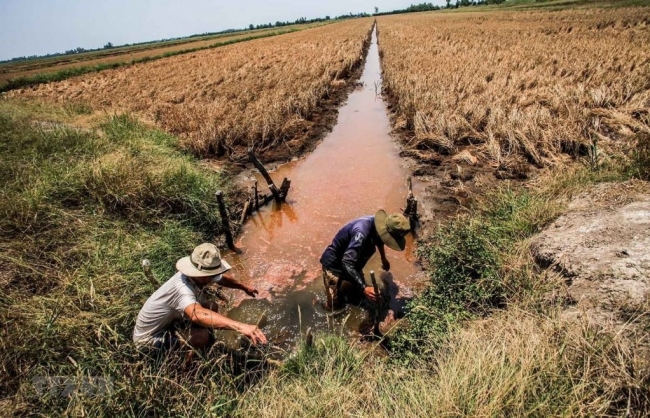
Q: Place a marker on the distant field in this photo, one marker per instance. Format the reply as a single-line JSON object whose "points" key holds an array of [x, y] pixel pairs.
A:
{"points": [[513, 86], [12, 70], [259, 93]]}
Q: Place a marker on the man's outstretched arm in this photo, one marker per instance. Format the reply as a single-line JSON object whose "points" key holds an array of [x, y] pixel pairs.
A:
{"points": [[210, 319], [228, 280]]}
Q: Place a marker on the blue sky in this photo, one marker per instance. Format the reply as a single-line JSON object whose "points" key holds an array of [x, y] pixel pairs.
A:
{"points": [[36, 27]]}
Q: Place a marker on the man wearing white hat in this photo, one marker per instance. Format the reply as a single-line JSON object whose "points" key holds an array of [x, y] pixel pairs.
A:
{"points": [[344, 259], [181, 298]]}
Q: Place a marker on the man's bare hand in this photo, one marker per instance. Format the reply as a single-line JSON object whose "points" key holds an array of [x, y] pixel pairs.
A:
{"points": [[253, 333], [251, 291], [370, 294], [385, 264]]}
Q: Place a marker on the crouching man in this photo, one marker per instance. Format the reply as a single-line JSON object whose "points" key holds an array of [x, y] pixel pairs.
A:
{"points": [[344, 259], [178, 309]]}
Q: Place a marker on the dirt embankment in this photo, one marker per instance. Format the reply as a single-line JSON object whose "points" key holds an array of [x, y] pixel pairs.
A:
{"points": [[601, 246], [452, 181]]}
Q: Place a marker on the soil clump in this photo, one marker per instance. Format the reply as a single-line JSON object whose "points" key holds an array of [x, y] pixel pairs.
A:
{"points": [[601, 248]]}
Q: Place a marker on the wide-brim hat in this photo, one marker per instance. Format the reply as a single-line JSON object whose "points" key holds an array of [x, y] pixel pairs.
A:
{"points": [[205, 261], [392, 229]]}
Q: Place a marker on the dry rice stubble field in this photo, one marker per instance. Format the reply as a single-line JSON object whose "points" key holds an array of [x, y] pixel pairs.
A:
{"points": [[221, 102], [502, 92], [13, 70]]}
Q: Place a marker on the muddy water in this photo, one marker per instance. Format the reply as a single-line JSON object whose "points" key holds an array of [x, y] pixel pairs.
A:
{"points": [[355, 171]]}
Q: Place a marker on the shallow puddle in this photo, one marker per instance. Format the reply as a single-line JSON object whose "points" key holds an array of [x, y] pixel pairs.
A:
{"points": [[355, 171]]}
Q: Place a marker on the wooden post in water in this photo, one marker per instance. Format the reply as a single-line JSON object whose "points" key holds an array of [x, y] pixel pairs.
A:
{"points": [[265, 174], [328, 293], [225, 222], [284, 188], [244, 212], [411, 210], [377, 303]]}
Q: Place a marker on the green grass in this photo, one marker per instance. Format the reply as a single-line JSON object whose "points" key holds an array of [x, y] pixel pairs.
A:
{"points": [[512, 364], [79, 209], [475, 260]]}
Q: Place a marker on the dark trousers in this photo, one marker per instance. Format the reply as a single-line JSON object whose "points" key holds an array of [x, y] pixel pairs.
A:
{"points": [[340, 289]]}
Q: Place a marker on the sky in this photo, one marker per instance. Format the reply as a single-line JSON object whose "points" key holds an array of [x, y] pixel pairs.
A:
{"points": [[37, 27]]}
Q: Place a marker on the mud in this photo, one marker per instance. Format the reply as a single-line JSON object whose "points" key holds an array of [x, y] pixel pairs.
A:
{"points": [[601, 248]]}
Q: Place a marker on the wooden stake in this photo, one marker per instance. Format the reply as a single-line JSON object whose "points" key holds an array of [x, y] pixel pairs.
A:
{"points": [[225, 222], [257, 198], [284, 188], [265, 174], [275, 193], [244, 212], [411, 210], [328, 292], [309, 338], [377, 303]]}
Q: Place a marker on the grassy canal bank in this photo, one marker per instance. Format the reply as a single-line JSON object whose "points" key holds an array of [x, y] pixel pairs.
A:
{"points": [[81, 206]]}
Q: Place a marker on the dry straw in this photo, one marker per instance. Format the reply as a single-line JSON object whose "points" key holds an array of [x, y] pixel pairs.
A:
{"points": [[536, 84], [257, 93]]}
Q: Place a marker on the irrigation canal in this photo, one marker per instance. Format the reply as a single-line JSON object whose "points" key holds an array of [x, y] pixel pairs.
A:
{"points": [[355, 171]]}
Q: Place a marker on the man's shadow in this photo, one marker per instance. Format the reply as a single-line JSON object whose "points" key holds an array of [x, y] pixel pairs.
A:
{"points": [[396, 304], [389, 302]]}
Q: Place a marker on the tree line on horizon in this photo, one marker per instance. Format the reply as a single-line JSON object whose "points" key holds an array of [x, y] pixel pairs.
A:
{"points": [[413, 8], [426, 7]]}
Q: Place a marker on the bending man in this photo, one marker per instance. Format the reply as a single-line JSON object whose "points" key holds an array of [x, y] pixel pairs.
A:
{"points": [[181, 301], [352, 247]]}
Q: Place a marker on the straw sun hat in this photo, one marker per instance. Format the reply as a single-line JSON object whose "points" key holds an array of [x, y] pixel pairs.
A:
{"points": [[392, 229], [204, 261]]}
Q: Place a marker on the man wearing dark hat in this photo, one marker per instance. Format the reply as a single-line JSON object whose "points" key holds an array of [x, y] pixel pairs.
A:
{"points": [[181, 299], [352, 247]]}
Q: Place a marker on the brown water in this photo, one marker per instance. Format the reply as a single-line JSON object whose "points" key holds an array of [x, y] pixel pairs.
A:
{"points": [[355, 171]]}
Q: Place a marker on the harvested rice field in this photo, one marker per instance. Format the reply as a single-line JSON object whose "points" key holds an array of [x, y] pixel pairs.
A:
{"points": [[505, 89], [28, 68], [220, 102]]}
